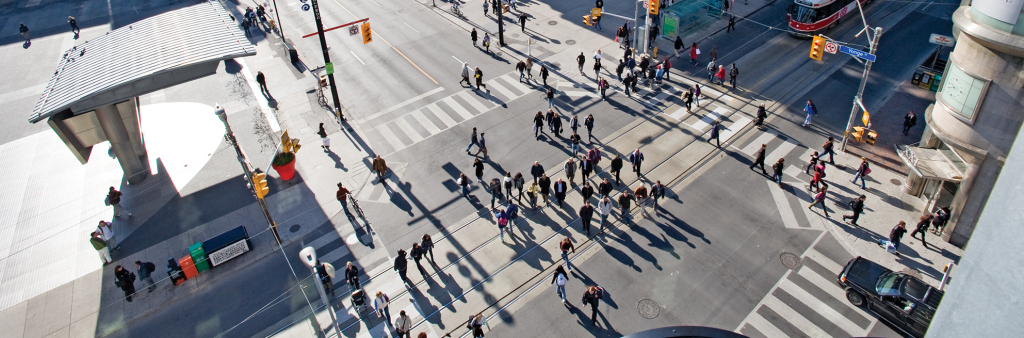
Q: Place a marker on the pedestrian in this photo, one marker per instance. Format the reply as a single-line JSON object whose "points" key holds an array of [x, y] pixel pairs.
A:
{"points": [[403, 325], [828, 148], [483, 145], [517, 182], [857, 206], [644, 64], [495, 189], [818, 177], [570, 169], [597, 22], [380, 304], [401, 265], [566, 246], [688, 99], [813, 162], [513, 214], [759, 159], [114, 198], [538, 125], [696, 94], [464, 183], [597, 68], [641, 199], [24, 32], [417, 254], [550, 93], [820, 199], [657, 192], [262, 80], [604, 188], [721, 75], [667, 63], [106, 231], [586, 167], [531, 192], [810, 110], [678, 45], [145, 270], [556, 124], [694, 53], [487, 5], [559, 280], [465, 74], [602, 85], [479, 75], [506, 182], [909, 121], [575, 139], [580, 60], [574, 123], [545, 188], [586, 191], [762, 114], [536, 170], [125, 280], [714, 135], [624, 199], [74, 25], [617, 168], [544, 75], [586, 215], [512, 3], [711, 68], [342, 196], [896, 235], [732, 23], [620, 68], [550, 117], [636, 158], [733, 72], [522, 21], [593, 297], [326, 142], [862, 171], [604, 208], [381, 167], [101, 247], [922, 227], [529, 68], [626, 83], [476, 325], [560, 189], [651, 36], [521, 68], [589, 120], [473, 140], [777, 171], [352, 275]]}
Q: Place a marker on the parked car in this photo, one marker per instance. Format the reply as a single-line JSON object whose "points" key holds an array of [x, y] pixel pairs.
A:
{"points": [[905, 302]]}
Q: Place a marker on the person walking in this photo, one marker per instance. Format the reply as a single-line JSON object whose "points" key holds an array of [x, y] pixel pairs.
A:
{"points": [[586, 191], [651, 36], [812, 163], [538, 125], [667, 63], [566, 246], [678, 45], [106, 231], [262, 80], [381, 302], [602, 86], [537, 170], [762, 114], [732, 23], [909, 121], [529, 68], [479, 167], [24, 32], [125, 280], [574, 123], [777, 171], [818, 178], [556, 124], [463, 182], [550, 116], [857, 206], [559, 279], [531, 193], [586, 167], [862, 171], [487, 4], [939, 221], [721, 75], [641, 199], [688, 99], [617, 168], [145, 270], [476, 325], [506, 181], [711, 68], [74, 25], [820, 199], [696, 94], [465, 74], [501, 217], [657, 192], [733, 72], [403, 325], [759, 159], [517, 183], [570, 170], [619, 69], [101, 247], [521, 68], [560, 189], [604, 188], [545, 188], [636, 158], [487, 42], [575, 139], [402, 265], [713, 136], [352, 275], [627, 82], [342, 196], [326, 142], [597, 22], [114, 197], [597, 68], [810, 110], [828, 148], [513, 214], [580, 60], [694, 53], [544, 75], [522, 21], [896, 235], [922, 228], [550, 95], [593, 297], [380, 167], [589, 120], [604, 208], [586, 215], [479, 75], [624, 200], [483, 145], [495, 189], [714, 53], [417, 253]]}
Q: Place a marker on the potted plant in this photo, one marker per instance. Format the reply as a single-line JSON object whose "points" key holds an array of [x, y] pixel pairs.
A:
{"points": [[284, 161]]}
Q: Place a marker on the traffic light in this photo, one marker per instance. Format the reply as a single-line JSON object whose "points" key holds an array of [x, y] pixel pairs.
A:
{"points": [[817, 47], [653, 8], [259, 185], [586, 20], [504, 8], [367, 36]]}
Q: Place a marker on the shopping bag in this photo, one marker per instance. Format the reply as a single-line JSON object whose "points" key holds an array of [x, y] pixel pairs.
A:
{"points": [[698, 51], [616, 39]]}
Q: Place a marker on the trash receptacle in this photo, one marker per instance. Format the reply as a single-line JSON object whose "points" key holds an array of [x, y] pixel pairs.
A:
{"points": [[188, 267], [199, 257], [935, 82], [916, 80], [293, 54]]}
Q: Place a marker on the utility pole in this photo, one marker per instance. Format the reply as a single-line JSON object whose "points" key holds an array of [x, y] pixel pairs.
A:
{"points": [[327, 59], [246, 169], [857, 100], [308, 256], [500, 11]]}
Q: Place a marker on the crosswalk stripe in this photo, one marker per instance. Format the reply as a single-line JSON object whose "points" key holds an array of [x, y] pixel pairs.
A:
{"points": [[426, 123], [466, 115], [708, 91], [825, 262], [518, 85], [794, 171], [390, 137], [812, 217], [578, 93], [441, 115], [831, 288], [821, 308], [501, 89], [781, 150], [658, 98], [330, 236], [766, 328], [806, 156], [570, 84], [680, 113], [788, 219], [731, 130], [709, 119], [408, 129], [473, 101], [794, 317], [755, 145], [335, 254]]}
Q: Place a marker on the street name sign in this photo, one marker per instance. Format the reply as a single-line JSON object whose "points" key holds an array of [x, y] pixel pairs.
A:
{"points": [[857, 53]]}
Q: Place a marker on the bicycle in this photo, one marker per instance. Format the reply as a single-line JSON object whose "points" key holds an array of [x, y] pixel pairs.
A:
{"points": [[355, 205], [455, 9]]}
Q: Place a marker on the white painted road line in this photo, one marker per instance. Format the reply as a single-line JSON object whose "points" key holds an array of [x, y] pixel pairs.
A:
{"points": [[780, 151], [422, 119], [821, 308], [788, 219], [466, 115], [400, 105], [441, 115], [390, 137], [709, 119], [767, 329], [730, 131], [794, 317], [755, 145], [480, 107]]}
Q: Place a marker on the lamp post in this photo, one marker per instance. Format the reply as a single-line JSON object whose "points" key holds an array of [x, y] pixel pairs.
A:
{"points": [[308, 257], [246, 168]]}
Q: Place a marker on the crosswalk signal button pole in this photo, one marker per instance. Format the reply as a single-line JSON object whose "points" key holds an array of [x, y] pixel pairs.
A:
{"points": [[586, 20], [259, 184], [817, 47]]}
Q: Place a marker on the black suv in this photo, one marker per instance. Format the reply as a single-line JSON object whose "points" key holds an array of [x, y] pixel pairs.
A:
{"points": [[903, 301]]}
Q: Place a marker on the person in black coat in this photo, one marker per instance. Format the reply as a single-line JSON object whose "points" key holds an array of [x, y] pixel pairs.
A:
{"points": [[556, 125], [586, 191], [536, 171], [560, 189], [352, 275], [759, 159], [714, 134], [897, 234], [922, 228], [545, 187], [761, 115], [586, 214], [604, 188], [857, 206], [401, 265], [909, 121], [125, 280], [479, 166], [617, 168], [538, 124]]}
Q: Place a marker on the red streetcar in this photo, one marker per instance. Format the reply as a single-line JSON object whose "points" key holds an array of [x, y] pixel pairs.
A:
{"points": [[814, 16]]}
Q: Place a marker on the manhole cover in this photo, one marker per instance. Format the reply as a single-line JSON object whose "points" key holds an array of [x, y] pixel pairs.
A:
{"points": [[552, 22], [516, 35], [648, 308], [790, 261], [911, 272], [570, 42], [294, 228]]}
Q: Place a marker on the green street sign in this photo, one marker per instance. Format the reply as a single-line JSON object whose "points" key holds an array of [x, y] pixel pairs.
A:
{"points": [[330, 68]]}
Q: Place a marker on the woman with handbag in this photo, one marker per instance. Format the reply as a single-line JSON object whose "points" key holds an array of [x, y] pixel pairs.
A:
{"points": [[862, 171], [820, 199]]}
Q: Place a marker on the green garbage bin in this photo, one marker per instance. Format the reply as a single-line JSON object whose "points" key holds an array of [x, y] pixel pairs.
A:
{"points": [[199, 257]]}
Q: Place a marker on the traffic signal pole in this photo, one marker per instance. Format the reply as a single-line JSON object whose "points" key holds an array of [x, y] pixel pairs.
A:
{"points": [[244, 161], [857, 100], [327, 59]]}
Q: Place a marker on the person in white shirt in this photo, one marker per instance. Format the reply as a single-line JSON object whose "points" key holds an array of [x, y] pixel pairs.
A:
{"points": [[107, 233], [604, 208], [403, 325], [380, 304]]}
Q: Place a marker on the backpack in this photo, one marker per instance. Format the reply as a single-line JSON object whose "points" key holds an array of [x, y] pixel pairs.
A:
{"points": [[150, 267]]}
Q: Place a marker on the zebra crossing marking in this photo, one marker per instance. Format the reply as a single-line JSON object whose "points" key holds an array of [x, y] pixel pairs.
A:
{"points": [[705, 122], [426, 123], [781, 150], [501, 89], [441, 115], [732, 129], [520, 86], [755, 145], [390, 136], [335, 254], [812, 217], [654, 101], [459, 109], [767, 329], [793, 317], [408, 129], [788, 219], [821, 308], [480, 107]]}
